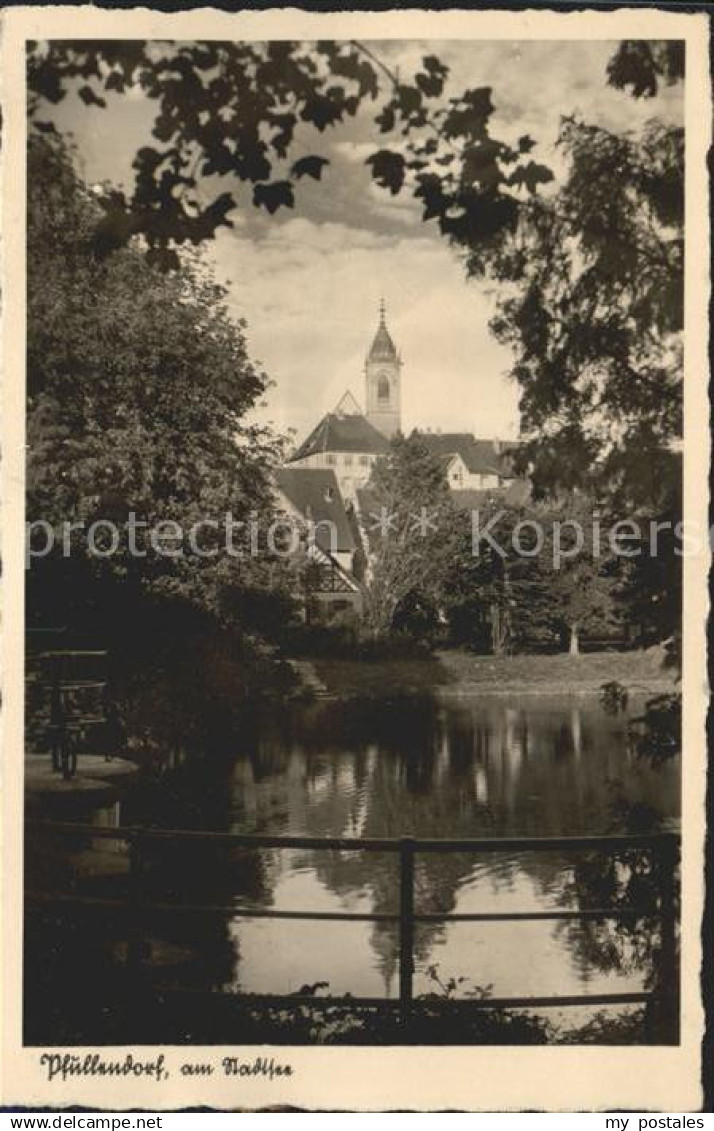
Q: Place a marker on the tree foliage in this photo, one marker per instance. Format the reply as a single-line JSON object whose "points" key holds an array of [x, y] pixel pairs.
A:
{"points": [[138, 384], [593, 312], [642, 66], [589, 272], [531, 575], [590, 275], [230, 114], [409, 505]]}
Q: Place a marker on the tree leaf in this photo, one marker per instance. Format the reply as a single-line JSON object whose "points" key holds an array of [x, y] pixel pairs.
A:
{"points": [[385, 120], [273, 196], [309, 167], [90, 97], [388, 169], [530, 176]]}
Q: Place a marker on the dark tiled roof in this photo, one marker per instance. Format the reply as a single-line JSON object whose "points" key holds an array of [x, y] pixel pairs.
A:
{"points": [[337, 433], [480, 456], [313, 491], [366, 502]]}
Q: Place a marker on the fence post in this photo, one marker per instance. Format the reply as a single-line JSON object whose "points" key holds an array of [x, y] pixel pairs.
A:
{"points": [[668, 989], [406, 927], [136, 947]]}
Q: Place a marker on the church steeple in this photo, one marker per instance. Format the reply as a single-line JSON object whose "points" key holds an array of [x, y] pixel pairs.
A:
{"points": [[383, 377], [383, 348]]}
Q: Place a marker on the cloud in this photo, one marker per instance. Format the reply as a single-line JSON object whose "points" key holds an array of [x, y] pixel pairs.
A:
{"points": [[310, 296], [355, 151], [309, 282], [403, 209]]}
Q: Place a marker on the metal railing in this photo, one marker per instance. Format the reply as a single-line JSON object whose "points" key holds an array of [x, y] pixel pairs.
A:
{"points": [[67, 721], [662, 1003]]}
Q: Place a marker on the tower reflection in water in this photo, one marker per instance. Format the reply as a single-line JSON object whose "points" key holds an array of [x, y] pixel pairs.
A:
{"points": [[490, 767]]}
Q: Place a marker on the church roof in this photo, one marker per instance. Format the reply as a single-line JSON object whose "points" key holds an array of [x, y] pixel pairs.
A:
{"points": [[347, 405], [338, 433], [382, 348], [480, 456], [313, 491]]}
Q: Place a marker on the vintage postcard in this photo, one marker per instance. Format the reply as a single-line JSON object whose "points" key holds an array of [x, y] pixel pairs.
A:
{"points": [[355, 463]]}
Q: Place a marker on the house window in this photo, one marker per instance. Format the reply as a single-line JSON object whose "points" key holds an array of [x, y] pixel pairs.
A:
{"points": [[383, 389], [330, 461], [364, 460], [348, 461]]}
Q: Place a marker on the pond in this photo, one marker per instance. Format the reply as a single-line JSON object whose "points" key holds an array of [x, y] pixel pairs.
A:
{"points": [[457, 768]]}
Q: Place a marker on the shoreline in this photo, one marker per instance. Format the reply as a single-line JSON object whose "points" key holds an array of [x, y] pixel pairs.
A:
{"points": [[461, 675], [547, 690]]}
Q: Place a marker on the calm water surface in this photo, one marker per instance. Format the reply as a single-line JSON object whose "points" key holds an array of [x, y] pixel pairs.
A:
{"points": [[462, 768]]}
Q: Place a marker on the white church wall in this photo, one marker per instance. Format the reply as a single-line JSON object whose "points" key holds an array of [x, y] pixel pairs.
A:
{"points": [[352, 469]]}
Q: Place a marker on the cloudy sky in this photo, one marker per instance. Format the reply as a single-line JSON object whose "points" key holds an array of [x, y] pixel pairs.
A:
{"points": [[309, 281]]}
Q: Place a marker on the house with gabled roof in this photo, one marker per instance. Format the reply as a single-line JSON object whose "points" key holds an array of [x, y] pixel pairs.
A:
{"points": [[339, 454], [329, 549], [344, 443], [471, 464]]}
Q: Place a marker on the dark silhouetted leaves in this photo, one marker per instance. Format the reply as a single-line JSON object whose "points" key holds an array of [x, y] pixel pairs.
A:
{"points": [[309, 167], [431, 80], [388, 169], [90, 97], [223, 109], [480, 165], [469, 115], [284, 126], [115, 81], [230, 109], [386, 119], [321, 111], [640, 66], [274, 196], [408, 99], [530, 176], [430, 190]]}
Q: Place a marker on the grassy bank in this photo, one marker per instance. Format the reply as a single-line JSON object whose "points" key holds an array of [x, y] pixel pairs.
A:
{"points": [[463, 673]]}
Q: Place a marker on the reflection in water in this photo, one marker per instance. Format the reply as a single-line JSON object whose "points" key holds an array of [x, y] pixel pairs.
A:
{"points": [[472, 768]]}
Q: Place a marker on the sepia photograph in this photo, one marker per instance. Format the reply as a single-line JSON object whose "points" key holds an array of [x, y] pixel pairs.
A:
{"points": [[355, 542]]}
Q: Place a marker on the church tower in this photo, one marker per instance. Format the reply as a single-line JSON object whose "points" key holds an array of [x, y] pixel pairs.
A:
{"points": [[383, 377]]}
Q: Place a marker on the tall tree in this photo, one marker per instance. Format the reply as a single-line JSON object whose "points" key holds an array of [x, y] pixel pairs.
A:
{"points": [[494, 594], [595, 312], [137, 392], [407, 515], [532, 573]]}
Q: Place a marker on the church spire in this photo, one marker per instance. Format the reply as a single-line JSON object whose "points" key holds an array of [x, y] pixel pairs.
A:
{"points": [[383, 380], [382, 348]]}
